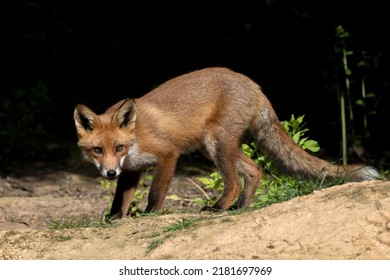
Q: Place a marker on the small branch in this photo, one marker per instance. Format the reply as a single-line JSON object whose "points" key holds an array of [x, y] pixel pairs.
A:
{"points": [[199, 188]]}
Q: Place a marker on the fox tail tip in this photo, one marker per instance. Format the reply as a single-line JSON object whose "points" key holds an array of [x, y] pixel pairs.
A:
{"points": [[368, 173]]}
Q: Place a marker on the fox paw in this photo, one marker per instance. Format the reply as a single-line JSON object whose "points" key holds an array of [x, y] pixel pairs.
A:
{"points": [[211, 209], [110, 218], [234, 207]]}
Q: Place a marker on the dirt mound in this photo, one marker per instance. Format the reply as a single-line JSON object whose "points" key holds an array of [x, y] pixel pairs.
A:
{"points": [[350, 221]]}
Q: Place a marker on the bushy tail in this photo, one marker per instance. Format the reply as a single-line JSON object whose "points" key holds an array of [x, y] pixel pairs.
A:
{"points": [[291, 159]]}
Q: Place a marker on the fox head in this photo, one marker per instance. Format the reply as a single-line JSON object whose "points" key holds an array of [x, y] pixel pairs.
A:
{"points": [[106, 139]]}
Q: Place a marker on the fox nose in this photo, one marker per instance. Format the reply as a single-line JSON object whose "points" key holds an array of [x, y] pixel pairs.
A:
{"points": [[111, 174]]}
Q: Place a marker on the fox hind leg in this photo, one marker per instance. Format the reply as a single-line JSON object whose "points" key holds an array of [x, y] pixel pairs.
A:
{"points": [[251, 173], [225, 157]]}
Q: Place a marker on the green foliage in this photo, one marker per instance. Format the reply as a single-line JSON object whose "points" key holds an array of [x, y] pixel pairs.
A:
{"points": [[141, 193], [182, 224], [294, 127], [273, 187], [213, 182], [153, 245], [356, 105], [168, 231], [75, 221], [282, 188], [109, 187]]}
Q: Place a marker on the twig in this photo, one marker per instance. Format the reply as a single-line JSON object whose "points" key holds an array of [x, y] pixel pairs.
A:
{"points": [[199, 188]]}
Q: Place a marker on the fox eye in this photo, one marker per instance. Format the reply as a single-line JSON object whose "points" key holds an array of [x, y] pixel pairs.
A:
{"points": [[119, 148], [98, 150]]}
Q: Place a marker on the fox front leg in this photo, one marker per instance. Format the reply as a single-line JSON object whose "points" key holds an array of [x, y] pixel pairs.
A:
{"points": [[126, 186], [162, 177]]}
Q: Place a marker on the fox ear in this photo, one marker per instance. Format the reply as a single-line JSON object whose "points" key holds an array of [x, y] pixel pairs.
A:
{"points": [[125, 115], [85, 119]]}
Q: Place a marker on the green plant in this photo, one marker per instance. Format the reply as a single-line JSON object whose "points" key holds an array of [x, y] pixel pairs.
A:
{"points": [[182, 224], [153, 245], [75, 221], [343, 89], [354, 129], [65, 237], [215, 184], [368, 100], [273, 187], [294, 127], [140, 194], [109, 187]]}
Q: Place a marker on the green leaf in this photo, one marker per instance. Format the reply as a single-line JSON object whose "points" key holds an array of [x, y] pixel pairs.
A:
{"points": [[173, 196], [296, 137], [300, 119], [200, 201], [263, 198], [360, 102], [286, 126], [205, 181], [311, 145], [302, 141], [247, 150]]}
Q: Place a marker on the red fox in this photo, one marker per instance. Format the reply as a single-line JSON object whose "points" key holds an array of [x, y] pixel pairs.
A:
{"points": [[208, 109]]}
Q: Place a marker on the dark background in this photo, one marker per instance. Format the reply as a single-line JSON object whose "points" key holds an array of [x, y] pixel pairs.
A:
{"points": [[55, 54]]}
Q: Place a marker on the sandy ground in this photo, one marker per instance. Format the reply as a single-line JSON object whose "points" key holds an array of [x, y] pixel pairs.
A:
{"points": [[350, 221]]}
